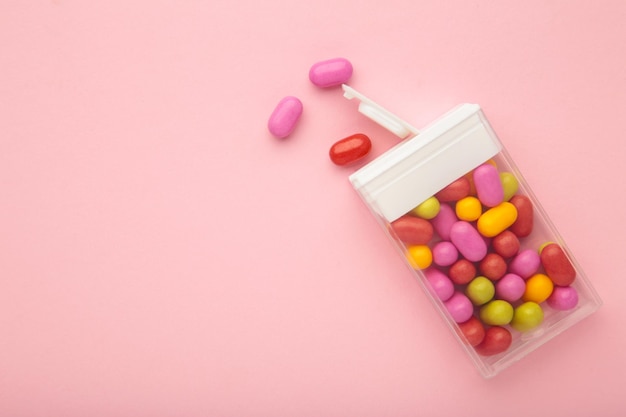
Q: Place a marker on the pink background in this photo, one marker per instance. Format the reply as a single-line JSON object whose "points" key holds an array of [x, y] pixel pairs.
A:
{"points": [[162, 255]]}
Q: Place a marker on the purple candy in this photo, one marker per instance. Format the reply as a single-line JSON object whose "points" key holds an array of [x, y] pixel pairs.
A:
{"points": [[443, 221], [460, 307], [441, 285], [525, 264], [563, 298], [445, 254], [510, 287]]}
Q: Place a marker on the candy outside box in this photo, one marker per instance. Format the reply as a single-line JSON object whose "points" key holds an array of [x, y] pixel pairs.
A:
{"points": [[473, 234]]}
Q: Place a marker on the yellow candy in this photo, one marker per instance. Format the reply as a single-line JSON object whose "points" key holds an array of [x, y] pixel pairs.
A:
{"points": [[428, 209], [419, 256], [495, 220], [538, 288], [509, 185], [469, 209]]}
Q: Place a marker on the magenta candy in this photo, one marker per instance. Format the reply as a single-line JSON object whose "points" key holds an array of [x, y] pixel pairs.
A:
{"points": [[460, 307], [331, 72], [488, 185], [443, 221], [285, 117], [445, 254], [525, 264], [563, 298], [440, 283], [510, 288], [468, 241]]}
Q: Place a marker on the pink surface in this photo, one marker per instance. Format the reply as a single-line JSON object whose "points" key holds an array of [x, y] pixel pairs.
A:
{"points": [[161, 254]]}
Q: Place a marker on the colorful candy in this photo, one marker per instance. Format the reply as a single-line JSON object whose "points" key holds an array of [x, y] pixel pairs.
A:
{"points": [[419, 256], [509, 185], [527, 316], [473, 331], [459, 307], [557, 265], [330, 72], [439, 283], [506, 244], [510, 288], [350, 149], [497, 313], [462, 272], [497, 219], [493, 266], [443, 221], [428, 209], [523, 225], [480, 290], [538, 288], [445, 253], [455, 191], [285, 116], [468, 241], [525, 264], [468, 209], [497, 340], [412, 230], [563, 298], [488, 185]]}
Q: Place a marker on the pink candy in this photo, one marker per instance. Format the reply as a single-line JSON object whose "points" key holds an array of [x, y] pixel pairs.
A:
{"points": [[563, 298], [510, 288], [460, 307], [488, 185], [445, 254], [439, 283], [468, 241], [525, 264], [444, 220], [331, 72], [285, 117]]}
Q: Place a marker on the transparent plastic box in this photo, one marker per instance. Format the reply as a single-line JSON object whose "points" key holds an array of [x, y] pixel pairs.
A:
{"points": [[396, 183]]}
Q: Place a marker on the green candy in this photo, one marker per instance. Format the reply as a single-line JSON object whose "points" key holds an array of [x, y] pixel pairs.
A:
{"points": [[497, 313], [527, 316], [480, 290], [509, 185]]}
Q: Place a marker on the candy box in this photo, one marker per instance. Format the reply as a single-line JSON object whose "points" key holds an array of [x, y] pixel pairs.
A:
{"points": [[469, 228]]}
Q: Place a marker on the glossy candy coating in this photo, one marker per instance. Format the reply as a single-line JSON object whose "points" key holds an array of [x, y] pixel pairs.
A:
{"points": [[497, 313], [419, 256], [350, 149], [428, 209], [509, 185], [506, 244], [497, 219], [462, 272], [527, 316], [330, 72], [563, 298], [439, 283], [412, 230], [445, 253], [480, 290], [488, 185], [557, 265], [468, 209], [285, 116], [525, 264], [455, 191], [510, 288], [473, 331], [523, 225], [468, 241], [443, 221], [538, 288], [459, 307], [493, 266], [497, 340]]}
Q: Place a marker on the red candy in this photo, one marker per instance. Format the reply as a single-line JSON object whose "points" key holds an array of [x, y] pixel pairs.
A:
{"points": [[557, 266], [455, 191], [506, 244], [493, 266], [350, 149], [497, 340], [462, 272], [473, 330], [413, 230], [523, 226]]}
